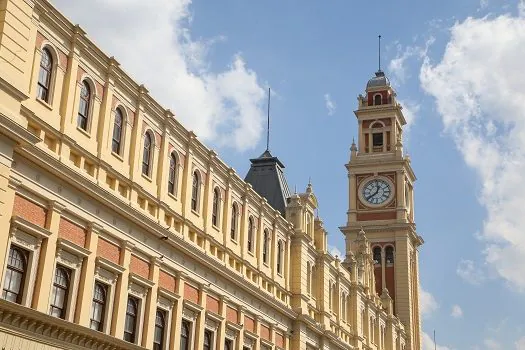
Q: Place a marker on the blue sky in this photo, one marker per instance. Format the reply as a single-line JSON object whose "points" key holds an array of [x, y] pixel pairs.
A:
{"points": [[456, 66]]}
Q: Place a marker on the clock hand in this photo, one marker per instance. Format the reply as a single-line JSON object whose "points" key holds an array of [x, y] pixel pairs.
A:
{"points": [[373, 194]]}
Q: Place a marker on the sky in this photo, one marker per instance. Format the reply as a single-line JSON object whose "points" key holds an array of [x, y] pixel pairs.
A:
{"points": [[457, 67]]}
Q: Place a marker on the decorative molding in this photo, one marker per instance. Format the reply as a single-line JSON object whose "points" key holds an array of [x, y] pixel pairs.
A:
{"points": [[109, 265], [73, 248], [143, 282]]}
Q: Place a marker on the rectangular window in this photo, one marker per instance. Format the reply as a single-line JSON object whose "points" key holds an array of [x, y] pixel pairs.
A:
{"points": [[228, 344], [160, 326], [60, 292], [98, 307], [130, 326], [185, 331], [208, 340], [15, 274]]}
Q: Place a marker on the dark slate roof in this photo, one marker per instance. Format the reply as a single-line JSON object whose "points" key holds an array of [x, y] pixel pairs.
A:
{"points": [[266, 176], [379, 80]]}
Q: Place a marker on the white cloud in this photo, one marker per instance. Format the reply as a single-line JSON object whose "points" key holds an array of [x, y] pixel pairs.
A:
{"points": [[330, 104], [152, 40], [457, 312], [483, 4], [470, 273], [479, 89], [492, 344], [520, 344], [397, 66], [428, 343], [427, 303]]}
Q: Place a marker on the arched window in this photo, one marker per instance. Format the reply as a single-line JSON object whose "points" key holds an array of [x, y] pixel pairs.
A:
{"points": [[130, 325], [44, 76], [60, 292], [207, 339], [117, 131], [160, 325], [215, 207], [377, 255], [195, 191], [266, 238], [251, 227], [147, 154], [389, 254], [377, 99], [98, 307], [233, 223], [172, 173], [84, 106], [15, 275], [280, 252], [185, 335]]}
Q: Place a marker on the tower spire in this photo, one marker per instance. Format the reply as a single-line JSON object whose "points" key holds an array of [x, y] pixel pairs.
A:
{"points": [[268, 126], [379, 44]]}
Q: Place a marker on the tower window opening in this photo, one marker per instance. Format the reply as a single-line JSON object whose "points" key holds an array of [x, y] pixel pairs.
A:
{"points": [[377, 100], [389, 255], [377, 255], [377, 142]]}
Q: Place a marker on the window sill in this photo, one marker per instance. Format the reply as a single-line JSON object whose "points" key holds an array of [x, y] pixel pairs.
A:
{"points": [[265, 264], [118, 156], [148, 178], [216, 228], [174, 197], [233, 240], [196, 213], [83, 131], [251, 253], [44, 103]]}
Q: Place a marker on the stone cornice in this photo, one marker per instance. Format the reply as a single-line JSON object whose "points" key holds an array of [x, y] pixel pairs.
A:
{"points": [[53, 331]]}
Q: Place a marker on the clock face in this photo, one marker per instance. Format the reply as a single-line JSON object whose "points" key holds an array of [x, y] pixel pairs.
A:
{"points": [[376, 191]]}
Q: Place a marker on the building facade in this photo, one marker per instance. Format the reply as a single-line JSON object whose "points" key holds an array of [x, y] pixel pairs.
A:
{"points": [[119, 229]]}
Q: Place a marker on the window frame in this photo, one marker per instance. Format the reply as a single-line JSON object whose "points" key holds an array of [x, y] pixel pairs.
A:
{"points": [[48, 86], [65, 307], [234, 222], [164, 314], [250, 235], [24, 274], [393, 257], [103, 303], [147, 159], [136, 319], [195, 191], [120, 141], [172, 173], [216, 207], [376, 99], [211, 334], [265, 247], [189, 338], [88, 105], [280, 257]]}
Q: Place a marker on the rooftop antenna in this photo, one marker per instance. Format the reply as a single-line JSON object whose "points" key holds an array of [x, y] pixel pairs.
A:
{"points": [[268, 127], [379, 52], [435, 346]]}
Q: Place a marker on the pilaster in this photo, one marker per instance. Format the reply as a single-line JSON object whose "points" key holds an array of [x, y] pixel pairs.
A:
{"points": [[87, 276], [151, 305], [121, 292]]}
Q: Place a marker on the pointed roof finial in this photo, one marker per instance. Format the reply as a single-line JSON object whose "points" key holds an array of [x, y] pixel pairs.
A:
{"points": [[379, 37], [268, 128]]}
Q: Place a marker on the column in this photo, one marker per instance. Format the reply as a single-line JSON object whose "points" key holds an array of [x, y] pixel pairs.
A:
{"points": [[121, 292], [164, 161], [46, 263], [87, 277], [136, 139], [240, 337], [151, 305]]}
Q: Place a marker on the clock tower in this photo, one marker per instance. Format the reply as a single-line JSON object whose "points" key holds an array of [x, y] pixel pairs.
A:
{"points": [[381, 202]]}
